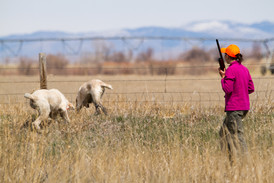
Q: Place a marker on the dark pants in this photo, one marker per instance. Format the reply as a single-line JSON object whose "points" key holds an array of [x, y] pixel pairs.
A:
{"points": [[232, 134]]}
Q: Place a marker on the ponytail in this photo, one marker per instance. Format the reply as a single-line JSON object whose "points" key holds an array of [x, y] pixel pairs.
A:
{"points": [[239, 57]]}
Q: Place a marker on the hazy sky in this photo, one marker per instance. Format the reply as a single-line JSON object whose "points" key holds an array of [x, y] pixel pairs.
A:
{"points": [[27, 16]]}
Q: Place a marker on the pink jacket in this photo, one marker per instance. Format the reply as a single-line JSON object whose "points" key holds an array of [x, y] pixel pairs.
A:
{"points": [[237, 85]]}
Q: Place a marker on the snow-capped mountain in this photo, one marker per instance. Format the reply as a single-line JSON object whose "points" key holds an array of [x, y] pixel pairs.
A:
{"points": [[229, 29]]}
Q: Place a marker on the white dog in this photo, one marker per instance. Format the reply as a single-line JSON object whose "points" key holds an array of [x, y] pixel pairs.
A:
{"points": [[49, 103], [92, 92]]}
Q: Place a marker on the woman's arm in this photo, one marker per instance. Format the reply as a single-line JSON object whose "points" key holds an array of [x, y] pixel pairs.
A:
{"points": [[250, 85]]}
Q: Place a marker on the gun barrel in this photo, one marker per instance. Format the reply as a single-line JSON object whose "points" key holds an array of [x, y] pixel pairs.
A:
{"points": [[221, 60]]}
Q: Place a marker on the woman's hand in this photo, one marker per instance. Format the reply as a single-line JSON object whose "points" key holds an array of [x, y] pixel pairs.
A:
{"points": [[222, 73]]}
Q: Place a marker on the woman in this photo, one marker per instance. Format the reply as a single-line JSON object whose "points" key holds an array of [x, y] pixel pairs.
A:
{"points": [[237, 85]]}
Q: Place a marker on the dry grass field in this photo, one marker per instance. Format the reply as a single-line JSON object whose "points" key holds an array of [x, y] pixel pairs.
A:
{"points": [[159, 129]]}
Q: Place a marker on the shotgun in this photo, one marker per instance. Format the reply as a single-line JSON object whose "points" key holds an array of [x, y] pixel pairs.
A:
{"points": [[221, 60]]}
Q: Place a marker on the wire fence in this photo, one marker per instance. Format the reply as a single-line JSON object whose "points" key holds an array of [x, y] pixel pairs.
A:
{"points": [[195, 90], [159, 68], [133, 82]]}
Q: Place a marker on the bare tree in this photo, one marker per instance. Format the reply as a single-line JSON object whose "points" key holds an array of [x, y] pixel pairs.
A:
{"points": [[256, 51], [103, 51], [195, 54], [26, 66], [118, 57], [56, 64], [145, 56]]}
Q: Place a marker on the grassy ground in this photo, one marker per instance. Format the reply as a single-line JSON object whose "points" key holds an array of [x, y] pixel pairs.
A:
{"points": [[135, 143], [158, 130]]}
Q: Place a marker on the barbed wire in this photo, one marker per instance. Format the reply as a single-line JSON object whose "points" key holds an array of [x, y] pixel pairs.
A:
{"points": [[153, 101], [155, 97], [143, 92], [121, 68], [129, 80]]}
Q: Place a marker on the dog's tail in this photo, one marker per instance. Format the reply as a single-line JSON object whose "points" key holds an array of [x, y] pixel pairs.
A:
{"points": [[29, 96], [106, 85]]}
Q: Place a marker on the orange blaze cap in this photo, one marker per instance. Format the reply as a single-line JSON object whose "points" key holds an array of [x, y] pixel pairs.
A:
{"points": [[232, 50]]}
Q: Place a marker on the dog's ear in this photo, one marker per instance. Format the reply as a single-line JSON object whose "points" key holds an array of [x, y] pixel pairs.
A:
{"points": [[70, 106]]}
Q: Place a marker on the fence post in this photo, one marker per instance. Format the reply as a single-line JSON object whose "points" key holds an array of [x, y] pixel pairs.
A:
{"points": [[165, 78], [43, 70]]}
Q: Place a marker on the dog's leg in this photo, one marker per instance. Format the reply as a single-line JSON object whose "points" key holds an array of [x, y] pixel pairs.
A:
{"points": [[97, 108], [100, 107], [44, 111], [38, 121], [53, 114], [64, 115], [104, 109]]}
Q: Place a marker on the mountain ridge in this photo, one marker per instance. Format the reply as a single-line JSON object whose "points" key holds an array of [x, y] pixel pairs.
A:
{"points": [[200, 29], [264, 29]]}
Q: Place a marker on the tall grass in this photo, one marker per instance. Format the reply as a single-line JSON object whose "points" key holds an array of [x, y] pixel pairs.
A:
{"points": [[135, 143]]}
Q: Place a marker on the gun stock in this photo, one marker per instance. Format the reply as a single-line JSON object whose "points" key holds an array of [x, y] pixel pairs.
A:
{"points": [[221, 60]]}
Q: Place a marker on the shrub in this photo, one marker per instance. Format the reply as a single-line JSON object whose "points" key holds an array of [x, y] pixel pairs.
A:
{"points": [[27, 67], [56, 64]]}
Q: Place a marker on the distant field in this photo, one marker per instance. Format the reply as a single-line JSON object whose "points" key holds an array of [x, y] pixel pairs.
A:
{"points": [[131, 88]]}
